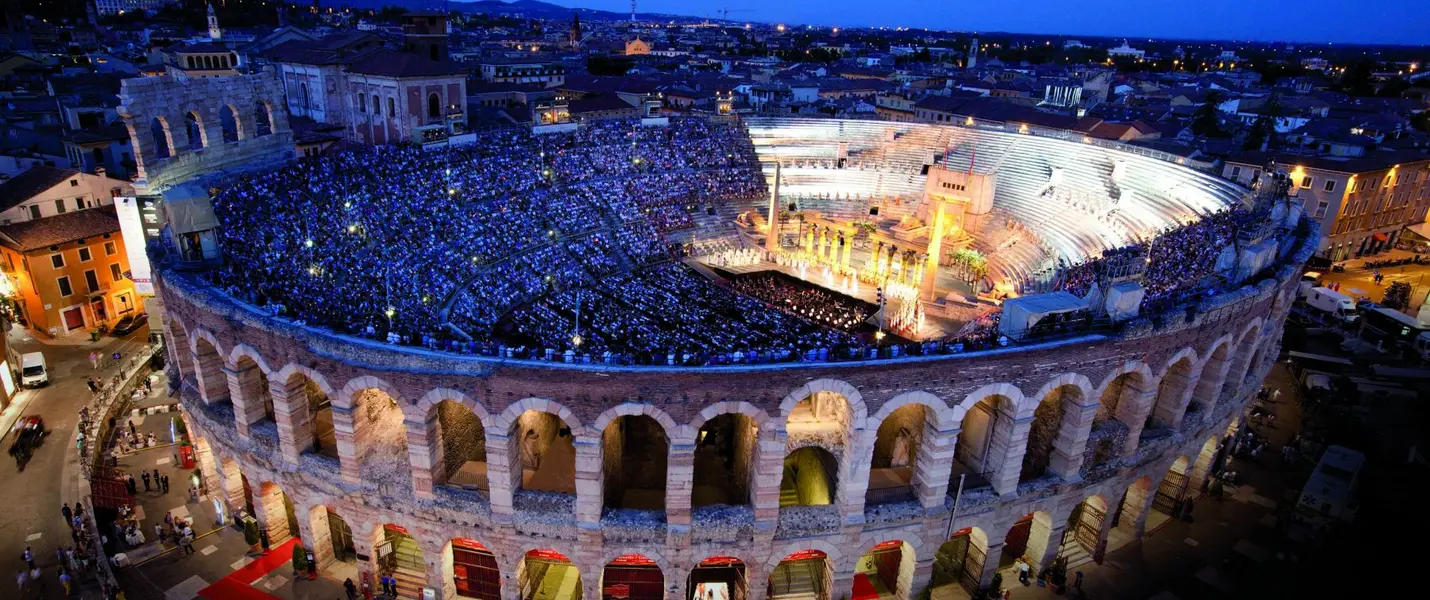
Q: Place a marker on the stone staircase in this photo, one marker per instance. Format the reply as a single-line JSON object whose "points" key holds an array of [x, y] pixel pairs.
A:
{"points": [[409, 585]]}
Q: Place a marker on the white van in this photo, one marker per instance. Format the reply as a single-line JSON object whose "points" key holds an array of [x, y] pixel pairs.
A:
{"points": [[33, 370]]}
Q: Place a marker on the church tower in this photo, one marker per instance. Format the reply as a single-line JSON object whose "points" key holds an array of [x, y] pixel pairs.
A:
{"points": [[214, 31], [575, 37]]}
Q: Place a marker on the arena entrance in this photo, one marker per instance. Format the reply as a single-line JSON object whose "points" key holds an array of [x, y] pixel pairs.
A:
{"points": [[717, 578], [475, 573], [464, 446], [1083, 534], [279, 519], [399, 555], [632, 577], [548, 575], [320, 413], [338, 545], [635, 450], [1170, 493], [804, 575], [810, 478], [547, 451], [880, 571], [724, 461], [896, 447], [960, 561]]}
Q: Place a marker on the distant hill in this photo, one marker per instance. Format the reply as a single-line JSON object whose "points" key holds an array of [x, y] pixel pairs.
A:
{"points": [[526, 8]]}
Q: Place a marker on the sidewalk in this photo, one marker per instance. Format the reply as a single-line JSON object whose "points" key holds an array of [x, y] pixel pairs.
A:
{"points": [[221, 568]]}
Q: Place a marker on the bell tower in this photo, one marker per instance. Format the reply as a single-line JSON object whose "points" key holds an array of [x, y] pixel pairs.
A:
{"points": [[214, 31]]}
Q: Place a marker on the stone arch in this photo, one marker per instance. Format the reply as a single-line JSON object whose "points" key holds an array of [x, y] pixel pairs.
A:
{"points": [[892, 563], [332, 537], [1246, 344], [1059, 412], [541, 564], [407, 558], [302, 401], [859, 413], [540, 438], [163, 138], [635, 442], [251, 391], [449, 427], [194, 130], [811, 477], [508, 416], [1131, 517], [263, 118], [371, 431], [1206, 462], [1123, 399], [230, 124], [1028, 538], [788, 548], [208, 367], [481, 572], [178, 341], [900, 442], [943, 414], [1174, 390], [275, 513], [242, 350], [960, 560], [726, 452], [645, 572], [347, 397], [985, 451], [726, 571], [1211, 376]]}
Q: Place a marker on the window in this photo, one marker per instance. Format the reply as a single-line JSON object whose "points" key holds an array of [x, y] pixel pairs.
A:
{"points": [[1321, 208], [91, 280], [1235, 172], [114, 273], [74, 183], [1330, 185], [1256, 174], [64, 285], [362, 103], [1306, 182], [376, 106], [34, 211], [391, 107], [84, 255], [434, 106], [110, 249], [79, 203], [60, 206], [57, 260]]}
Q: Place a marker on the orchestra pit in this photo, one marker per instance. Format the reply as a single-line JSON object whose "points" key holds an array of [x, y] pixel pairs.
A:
{"points": [[769, 358]]}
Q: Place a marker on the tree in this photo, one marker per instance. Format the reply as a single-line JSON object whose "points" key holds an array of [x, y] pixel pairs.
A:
{"points": [[1207, 119], [251, 535], [300, 559], [1263, 131], [1397, 296]]}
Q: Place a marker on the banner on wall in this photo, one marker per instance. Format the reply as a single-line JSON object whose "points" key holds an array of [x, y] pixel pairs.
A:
{"points": [[139, 222]]}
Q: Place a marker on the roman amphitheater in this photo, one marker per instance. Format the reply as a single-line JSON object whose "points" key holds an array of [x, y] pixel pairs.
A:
{"points": [[881, 471]]}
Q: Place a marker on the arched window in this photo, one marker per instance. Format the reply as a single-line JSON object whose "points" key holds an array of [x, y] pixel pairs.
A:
{"points": [[98, 157], [376, 106], [434, 106], [190, 61], [304, 88], [194, 129], [263, 119], [362, 103], [162, 146], [391, 107], [228, 121]]}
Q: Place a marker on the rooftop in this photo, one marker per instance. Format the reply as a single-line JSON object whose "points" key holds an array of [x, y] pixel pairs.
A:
{"points": [[26, 185], [42, 233]]}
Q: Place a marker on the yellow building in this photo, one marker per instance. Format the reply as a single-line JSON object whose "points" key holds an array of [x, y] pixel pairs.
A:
{"points": [[67, 273], [637, 47]]}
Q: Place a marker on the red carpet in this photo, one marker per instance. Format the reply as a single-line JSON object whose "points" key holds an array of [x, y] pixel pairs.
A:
{"points": [[863, 590], [236, 585]]}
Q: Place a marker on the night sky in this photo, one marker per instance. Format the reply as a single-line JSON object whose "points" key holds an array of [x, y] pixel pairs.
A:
{"points": [[1342, 21]]}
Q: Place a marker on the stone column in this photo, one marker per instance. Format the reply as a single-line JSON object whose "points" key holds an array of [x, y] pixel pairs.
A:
{"points": [[848, 246], [854, 476], [317, 531], [843, 584], [1100, 551], [679, 482], [757, 582], [589, 478], [1055, 539], [436, 579], [769, 469], [931, 467], [209, 373], [246, 392], [1139, 501], [1070, 445], [1170, 413], [424, 451], [1009, 440], [990, 562], [1133, 409], [349, 459], [503, 474], [295, 426], [923, 573]]}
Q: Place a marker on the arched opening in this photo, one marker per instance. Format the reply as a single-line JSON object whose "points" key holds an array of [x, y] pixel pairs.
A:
{"points": [[717, 578], [399, 555], [472, 570], [303, 89], [959, 561], [333, 538], [1027, 539], [1241, 364], [804, 575], [885, 571], [548, 575], [434, 106], [278, 516], [194, 129], [1083, 534], [376, 106], [896, 448], [632, 577], [977, 454], [163, 142], [1109, 429], [1129, 517], [208, 370], [257, 399], [634, 451], [1209, 385], [811, 478], [463, 443], [725, 451], [263, 118], [1171, 492], [1171, 393], [1252, 378], [1209, 460], [315, 436], [547, 454], [228, 122], [1050, 421], [380, 436]]}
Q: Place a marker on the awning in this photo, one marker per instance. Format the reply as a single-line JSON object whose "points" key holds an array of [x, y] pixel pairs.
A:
{"points": [[1420, 229], [189, 209], [1380, 237]]}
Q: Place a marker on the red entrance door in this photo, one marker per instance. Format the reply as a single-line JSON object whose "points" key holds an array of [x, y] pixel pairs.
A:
{"points": [[74, 318]]}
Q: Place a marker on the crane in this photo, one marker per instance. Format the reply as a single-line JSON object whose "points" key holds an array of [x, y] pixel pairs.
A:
{"points": [[725, 13]]}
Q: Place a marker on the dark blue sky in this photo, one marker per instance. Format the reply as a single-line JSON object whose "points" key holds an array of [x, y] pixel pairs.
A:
{"points": [[1356, 21]]}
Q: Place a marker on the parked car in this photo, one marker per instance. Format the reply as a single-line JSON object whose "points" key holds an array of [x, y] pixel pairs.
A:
{"points": [[27, 434], [128, 324], [33, 370]]}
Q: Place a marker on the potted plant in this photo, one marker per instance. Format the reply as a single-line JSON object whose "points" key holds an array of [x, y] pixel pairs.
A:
{"points": [[251, 535], [300, 560]]}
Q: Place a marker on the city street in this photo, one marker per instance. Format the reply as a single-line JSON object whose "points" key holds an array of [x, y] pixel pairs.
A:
{"points": [[32, 498], [1359, 282]]}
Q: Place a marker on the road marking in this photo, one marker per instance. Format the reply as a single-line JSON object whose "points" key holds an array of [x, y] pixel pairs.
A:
{"points": [[1191, 542], [180, 512], [163, 461], [275, 582], [208, 550], [34, 536], [187, 589], [241, 563]]}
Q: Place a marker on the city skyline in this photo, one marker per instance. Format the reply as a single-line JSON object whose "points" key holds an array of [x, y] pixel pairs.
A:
{"points": [[1217, 19]]}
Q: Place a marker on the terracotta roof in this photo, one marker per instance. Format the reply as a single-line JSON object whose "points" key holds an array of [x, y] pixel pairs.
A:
{"points": [[1373, 161], [391, 63], [50, 231], [26, 185]]}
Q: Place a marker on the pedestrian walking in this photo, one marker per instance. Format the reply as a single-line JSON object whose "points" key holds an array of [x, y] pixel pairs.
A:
{"points": [[159, 533], [37, 579], [132, 431], [29, 557], [65, 580], [94, 361], [22, 580], [350, 588], [146, 481], [93, 387], [156, 476], [187, 543], [1023, 569], [1077, 581], [165, 479], [169, 519], [69, 514]]}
